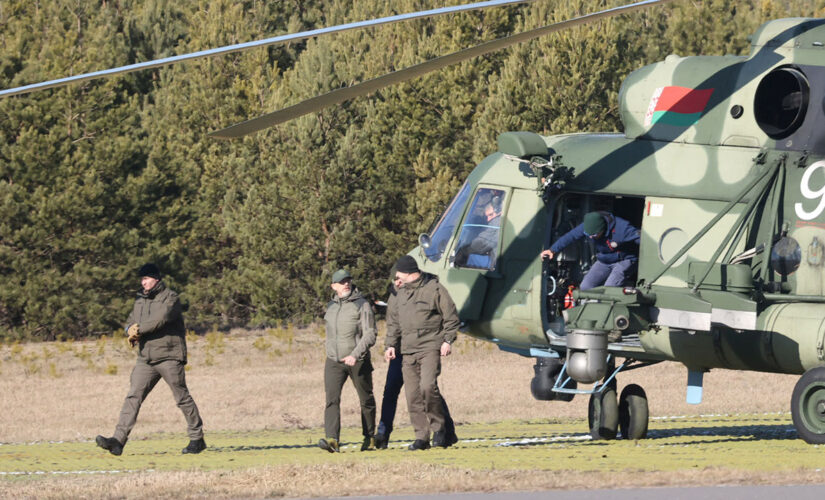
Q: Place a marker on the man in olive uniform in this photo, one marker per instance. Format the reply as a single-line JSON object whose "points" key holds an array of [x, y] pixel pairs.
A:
{"points": [[350, 328], [422, 323], [393, 384], [156, 327]]}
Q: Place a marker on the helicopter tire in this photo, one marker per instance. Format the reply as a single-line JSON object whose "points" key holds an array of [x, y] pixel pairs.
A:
{"points": [[633, 412], [547, 371], [603, 414], [808, 406]]}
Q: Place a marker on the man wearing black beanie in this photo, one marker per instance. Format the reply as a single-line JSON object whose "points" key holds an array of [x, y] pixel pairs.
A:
{"points": [[156, 327], [422, 323]]}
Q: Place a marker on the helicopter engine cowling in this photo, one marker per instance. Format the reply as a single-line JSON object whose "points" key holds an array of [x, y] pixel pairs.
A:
{"points": [[587, 355]]}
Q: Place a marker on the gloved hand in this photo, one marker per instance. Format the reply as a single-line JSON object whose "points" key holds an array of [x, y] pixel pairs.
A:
{"points": [[133, 334]]}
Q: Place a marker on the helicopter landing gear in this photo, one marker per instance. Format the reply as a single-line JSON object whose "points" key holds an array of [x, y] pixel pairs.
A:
{"points": [[603, 413], [808, 406], [633, 412]]}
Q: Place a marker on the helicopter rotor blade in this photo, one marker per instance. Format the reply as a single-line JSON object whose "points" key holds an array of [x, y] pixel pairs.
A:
{"points": [[259, 43], [346, 93]]}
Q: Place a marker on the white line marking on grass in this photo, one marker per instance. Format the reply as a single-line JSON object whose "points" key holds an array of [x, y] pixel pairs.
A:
{"points": [[69, 472], [555, 439]]}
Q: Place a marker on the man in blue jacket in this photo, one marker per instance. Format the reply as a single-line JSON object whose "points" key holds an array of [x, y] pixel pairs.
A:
{"points": [[617, 248]]}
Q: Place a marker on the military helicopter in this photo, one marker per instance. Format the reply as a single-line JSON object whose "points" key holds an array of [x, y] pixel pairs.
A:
{"points": [[721, 166]]}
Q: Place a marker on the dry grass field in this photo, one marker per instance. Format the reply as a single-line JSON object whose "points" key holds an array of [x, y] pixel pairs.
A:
{"points": [[271, 382], [273, 379]]}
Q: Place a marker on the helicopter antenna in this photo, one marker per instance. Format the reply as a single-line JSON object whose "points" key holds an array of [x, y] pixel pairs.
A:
{"points": [[340, 95], [259, 43]]}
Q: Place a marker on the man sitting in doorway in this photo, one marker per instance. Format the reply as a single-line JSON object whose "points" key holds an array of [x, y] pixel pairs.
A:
{"points": [[617, 248]]}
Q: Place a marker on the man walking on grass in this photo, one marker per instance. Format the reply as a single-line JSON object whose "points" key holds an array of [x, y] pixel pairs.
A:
{"points": [[350, 330], [422, 324], [394, 382], [156, 327]]}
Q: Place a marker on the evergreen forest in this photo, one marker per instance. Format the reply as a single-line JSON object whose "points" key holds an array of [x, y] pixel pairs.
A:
{"points": [[99, 177]]}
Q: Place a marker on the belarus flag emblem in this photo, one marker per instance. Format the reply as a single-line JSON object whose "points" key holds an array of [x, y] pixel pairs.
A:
{"points": [[680, 106]]}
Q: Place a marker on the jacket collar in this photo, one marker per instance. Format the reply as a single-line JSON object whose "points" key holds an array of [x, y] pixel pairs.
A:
{"points": [[354, 294], [159, 287]]}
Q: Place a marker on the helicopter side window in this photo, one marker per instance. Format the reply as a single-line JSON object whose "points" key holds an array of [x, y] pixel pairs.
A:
{"points": [[444, 228], [480, 234]]}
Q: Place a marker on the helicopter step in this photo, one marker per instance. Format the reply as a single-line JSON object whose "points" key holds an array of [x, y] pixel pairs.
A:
{"points": [[629, 341]]}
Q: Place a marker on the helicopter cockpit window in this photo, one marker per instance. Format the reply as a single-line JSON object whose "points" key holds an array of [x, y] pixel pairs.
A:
{"points": [[443, 230], [478, 241]]}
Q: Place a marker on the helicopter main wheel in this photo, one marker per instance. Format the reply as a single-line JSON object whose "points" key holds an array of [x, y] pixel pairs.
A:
{"points": [[603, 414], [808, 406], [633, 412]]}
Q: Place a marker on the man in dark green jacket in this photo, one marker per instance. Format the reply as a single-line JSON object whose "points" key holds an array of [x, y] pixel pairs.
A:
{"points": [[422, 324], [156, 327], [350, 329]]}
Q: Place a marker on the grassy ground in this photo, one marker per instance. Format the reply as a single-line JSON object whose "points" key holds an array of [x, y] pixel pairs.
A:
{"points": [[261, 398]]}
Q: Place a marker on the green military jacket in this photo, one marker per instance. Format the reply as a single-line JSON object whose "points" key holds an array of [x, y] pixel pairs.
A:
{"points": [[350, 327], [159, 318], [421, 316]]}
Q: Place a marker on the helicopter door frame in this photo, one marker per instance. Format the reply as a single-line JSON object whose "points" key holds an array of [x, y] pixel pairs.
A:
{"points": [[468, 285]]}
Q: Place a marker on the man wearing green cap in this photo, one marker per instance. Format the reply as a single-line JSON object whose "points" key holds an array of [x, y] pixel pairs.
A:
{"points": [[350, 329], [617, 248]]}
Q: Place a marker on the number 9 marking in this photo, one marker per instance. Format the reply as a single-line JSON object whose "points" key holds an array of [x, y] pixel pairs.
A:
{"points": [[804, 188]]}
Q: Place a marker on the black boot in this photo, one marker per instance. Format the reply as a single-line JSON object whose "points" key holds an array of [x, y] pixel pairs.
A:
{"points": [[194, 446], [329, 444], [369, 443], [440, 439], [419, 444], [381, 441], [112, 445]]}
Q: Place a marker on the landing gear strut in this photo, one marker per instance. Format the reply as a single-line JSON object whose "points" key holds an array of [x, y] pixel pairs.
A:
{"points": [[629, 413]]}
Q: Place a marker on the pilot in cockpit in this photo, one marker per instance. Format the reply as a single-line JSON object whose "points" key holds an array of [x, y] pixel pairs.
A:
{"points": [[484, 244]]}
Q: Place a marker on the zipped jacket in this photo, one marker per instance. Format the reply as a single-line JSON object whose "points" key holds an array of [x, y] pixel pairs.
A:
{"points": [[159, 317], [620, 240], [421, 316], [350, 325]]}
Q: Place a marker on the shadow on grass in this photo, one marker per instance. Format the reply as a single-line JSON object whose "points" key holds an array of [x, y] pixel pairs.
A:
{"points": [[231, 449], [728, 433], [703, 435]]}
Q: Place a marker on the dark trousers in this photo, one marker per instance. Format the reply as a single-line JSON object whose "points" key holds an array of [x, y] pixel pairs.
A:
{"points": [[389, 403], [424, 402], [335, 374], [615, 274], [143, 380]]}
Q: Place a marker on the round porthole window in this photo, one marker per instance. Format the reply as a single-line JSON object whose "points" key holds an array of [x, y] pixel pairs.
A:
{"points": [[781, 102]]}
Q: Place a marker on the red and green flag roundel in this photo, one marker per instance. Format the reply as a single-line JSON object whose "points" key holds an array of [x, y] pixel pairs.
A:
{"points": [[680, 106]]}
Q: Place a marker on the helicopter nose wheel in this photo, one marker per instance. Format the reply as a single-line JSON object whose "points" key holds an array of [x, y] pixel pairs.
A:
{"points": [[633, 412], [808, 406], [603, 413]]}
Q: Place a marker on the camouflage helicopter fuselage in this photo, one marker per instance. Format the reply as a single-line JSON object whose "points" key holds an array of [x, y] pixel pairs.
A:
{"points": [[720, 166]]}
